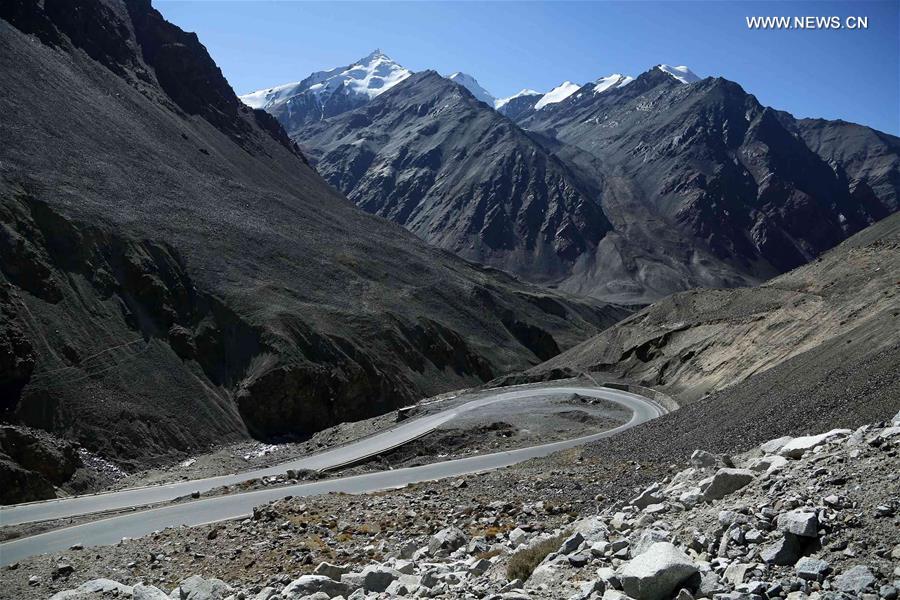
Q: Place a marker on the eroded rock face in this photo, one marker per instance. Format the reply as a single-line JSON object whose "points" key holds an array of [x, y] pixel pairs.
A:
{"points": [[32, 463], [227, 291]]}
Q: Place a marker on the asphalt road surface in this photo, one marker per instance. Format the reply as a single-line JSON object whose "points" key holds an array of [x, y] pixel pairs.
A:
{"points": [[207, 510]]}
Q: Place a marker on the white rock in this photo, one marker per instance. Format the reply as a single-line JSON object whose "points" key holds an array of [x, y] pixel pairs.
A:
{"points": [[801, 522], [767, 464], [727, 481], [773, 446], [702, 458], [148, 592], [649, 496], [797, 447], [198, 588], [308, 585], [449, 539], [517, 537], [592, 528], [656, 573], [330, 570], [94, 587]]}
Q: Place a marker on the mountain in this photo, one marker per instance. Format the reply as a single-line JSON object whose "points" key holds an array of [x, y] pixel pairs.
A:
{"points": [[469, 82], [816, 343], [327, 93], [734, 191], [678, 185], [682, 73], [522, 105], [557, 94], [518, 103], [175, 276], [611, 82], [431, 157]]}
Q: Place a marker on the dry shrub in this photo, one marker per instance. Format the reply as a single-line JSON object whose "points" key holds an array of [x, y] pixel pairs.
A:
{"points": [[523, 562]]}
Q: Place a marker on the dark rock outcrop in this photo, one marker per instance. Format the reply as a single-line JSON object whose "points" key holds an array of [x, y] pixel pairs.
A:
{"points": [[628, 194], [173, 275], [428, 155]]}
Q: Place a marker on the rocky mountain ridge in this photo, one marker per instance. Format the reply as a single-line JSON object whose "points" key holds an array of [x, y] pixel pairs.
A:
{"points": [[430, 156], [694, 183], [174, 275]]}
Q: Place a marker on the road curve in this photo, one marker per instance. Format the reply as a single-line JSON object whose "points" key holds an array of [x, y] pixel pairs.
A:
{"points": [[207, 510]]}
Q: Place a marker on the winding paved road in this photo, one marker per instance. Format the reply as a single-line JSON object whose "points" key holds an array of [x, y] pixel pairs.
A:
{"points": [[207, 510]]}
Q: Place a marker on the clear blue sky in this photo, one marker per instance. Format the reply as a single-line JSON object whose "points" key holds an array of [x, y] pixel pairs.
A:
{"points": [[849, 74]]}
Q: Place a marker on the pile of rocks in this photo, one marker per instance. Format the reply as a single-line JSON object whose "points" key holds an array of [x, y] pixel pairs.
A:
{"points": [[813, 517]]}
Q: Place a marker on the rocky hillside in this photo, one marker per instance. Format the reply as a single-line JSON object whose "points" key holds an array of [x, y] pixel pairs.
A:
{"points": [[626, 190], [174, 275], [750, 190], [430, 156], [815, 331], [801, 518]]}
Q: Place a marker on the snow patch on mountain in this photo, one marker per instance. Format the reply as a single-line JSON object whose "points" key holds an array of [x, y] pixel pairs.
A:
{"points": [[501, 102], [469, 82], [681, 73], [263, 98], [611, 82], [369, 77], [557, 94]]}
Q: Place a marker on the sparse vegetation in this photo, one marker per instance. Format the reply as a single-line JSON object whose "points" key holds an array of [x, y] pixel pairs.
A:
{"points": [[523, 562]]}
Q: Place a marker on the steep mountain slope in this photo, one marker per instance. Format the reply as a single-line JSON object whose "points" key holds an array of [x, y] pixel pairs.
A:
{"points": [[725, 174], [518, 104], [174, 275], [327, 93], [471, 84], [431, 157], [692, 183], [816, 332]]}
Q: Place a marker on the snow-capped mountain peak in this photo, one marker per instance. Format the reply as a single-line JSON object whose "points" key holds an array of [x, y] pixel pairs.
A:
{"points": [[557, 94], [611, 82], [501, 102], [469, 82], [681, 73], [369, 76]]}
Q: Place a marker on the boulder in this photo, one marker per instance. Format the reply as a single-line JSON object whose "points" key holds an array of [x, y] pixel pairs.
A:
{"points": [[656, 573], [329, 570], [376, 578], [784, 551], [855, 580], [800, 522], [647, 538], [811, 569], [736, 572], [405, 567], [518, 537], [773, 446], [571, 543], [727, 481], [767, 464], [797, 447], [94, 588], [148, 592], [447, 539], [592, 528], [307, 585], [198, 588], [702, 458], [649, 496], [579, 559]]}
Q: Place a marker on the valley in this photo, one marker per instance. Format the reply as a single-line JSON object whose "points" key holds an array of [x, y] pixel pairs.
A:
{"points": [[381, 333]]}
